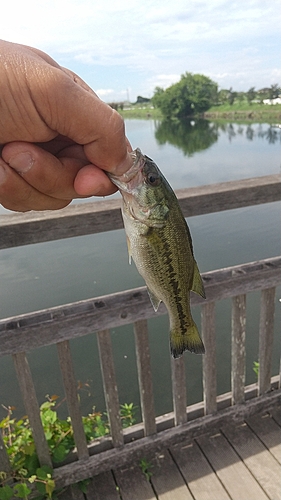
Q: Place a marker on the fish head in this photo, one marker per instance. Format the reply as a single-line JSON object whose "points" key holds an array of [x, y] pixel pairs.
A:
{"points": [[145, 191]]}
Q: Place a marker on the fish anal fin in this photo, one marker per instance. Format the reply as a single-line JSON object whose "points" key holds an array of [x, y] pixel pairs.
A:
{"points": [[154, 300], [197, 283]]}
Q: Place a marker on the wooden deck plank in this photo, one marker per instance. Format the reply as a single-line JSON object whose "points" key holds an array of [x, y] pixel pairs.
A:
{"points": [[233, 473], [269, 433], [257, 458], [102, 487], [133, 484], [167, 480], [197, 472]]}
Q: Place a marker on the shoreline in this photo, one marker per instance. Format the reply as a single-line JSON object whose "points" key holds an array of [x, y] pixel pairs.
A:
{"points": [[250, 113]]}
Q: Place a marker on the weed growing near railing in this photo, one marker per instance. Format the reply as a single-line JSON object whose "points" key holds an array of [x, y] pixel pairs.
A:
{"points": [[256, 368], [25, 467], [146, 468]]}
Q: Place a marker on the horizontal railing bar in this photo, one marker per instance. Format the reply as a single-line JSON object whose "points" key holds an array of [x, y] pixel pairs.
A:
{"points": [[95, 217], [50, 326], [167, 421], [134, 451]]}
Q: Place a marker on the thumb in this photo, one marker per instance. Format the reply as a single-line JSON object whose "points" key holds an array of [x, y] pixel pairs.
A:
{"points": [[77, 113]]}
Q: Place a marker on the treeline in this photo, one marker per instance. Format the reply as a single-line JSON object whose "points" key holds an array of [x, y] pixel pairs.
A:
{"points": [[194, 94]]}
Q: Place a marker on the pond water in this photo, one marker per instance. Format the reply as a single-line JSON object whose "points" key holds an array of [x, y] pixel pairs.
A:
{"points": [[48, 274]]}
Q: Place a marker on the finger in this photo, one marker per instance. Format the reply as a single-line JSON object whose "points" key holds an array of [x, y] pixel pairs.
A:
{"points": [[92, 181], [42, 170], [83, 117], [16, 194], [54, 176]]}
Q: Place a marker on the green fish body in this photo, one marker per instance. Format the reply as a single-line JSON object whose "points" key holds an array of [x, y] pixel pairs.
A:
{"points": [[160, 244]]}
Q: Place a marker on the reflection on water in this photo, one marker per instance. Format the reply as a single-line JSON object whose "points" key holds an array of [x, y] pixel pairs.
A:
{"points": [[58, 272], [190, 136], [193, 136]]}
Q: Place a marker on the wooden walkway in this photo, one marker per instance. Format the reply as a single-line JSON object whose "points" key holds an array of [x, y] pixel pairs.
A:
{"points": [[238, 462]]}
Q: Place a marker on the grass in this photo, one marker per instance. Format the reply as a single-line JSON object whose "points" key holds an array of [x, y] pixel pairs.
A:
{"points": [[254, 110], [249, 111], [144, 111]]}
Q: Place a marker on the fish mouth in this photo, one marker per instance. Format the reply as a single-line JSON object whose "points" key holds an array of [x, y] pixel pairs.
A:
{"points": [[131, 179]]}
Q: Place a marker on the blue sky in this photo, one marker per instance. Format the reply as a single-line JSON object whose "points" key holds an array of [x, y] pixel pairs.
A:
{"points": [[126, 48]]}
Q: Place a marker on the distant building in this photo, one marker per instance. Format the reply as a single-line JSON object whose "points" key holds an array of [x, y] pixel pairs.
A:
{"points": [[142, 100], [277, 100]]}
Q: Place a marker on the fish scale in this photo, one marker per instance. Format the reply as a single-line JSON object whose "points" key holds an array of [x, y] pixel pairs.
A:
{"points": [[160, 244]]}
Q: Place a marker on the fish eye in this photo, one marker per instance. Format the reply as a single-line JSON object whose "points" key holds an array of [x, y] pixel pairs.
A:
{"points": [[153, 179]]}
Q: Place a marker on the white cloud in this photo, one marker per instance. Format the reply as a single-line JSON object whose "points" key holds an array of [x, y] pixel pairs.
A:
{"points": [[150, 44], [104, 92]]}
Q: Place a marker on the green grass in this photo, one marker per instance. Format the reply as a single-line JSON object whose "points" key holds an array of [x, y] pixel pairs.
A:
{"points": [[141, 111], [245, 107]]}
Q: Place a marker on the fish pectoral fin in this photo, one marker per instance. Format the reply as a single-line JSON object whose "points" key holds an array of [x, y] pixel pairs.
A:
{"points": [[197, 283], [129, 249], [154, 300]]}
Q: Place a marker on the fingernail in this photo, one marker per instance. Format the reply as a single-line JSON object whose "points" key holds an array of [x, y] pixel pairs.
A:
{"points": [[22, 162]]}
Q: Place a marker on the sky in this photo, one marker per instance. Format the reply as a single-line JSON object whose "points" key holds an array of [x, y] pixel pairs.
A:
{"points": [[125, 48]]}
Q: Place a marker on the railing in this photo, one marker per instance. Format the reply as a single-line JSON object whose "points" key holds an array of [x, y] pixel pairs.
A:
{"points": [[58, 325]]}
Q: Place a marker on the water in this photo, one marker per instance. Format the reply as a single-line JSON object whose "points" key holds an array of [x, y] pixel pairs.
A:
{"points": [[53, 273]]}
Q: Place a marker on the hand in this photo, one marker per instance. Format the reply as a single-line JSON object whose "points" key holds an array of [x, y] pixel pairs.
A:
{"points": [[57, 137]]}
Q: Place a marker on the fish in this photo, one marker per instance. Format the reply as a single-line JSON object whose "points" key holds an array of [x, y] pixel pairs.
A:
{"points": [[159, 241]]}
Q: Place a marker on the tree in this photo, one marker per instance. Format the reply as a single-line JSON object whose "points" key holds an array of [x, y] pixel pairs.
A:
{"points": [[274, 91], [231, 96], [251, 94], [193, 94]]}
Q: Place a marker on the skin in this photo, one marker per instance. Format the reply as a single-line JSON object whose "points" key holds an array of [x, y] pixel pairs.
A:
{"points": [[56, 136]]}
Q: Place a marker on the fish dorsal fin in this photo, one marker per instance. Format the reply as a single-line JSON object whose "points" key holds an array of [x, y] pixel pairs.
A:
{"points": [[197, 283], [154, 300]]}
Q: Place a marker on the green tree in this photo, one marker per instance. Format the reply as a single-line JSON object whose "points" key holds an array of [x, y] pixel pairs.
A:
{"points": [[231, 96], [251, 94], [193, 94], [274, 91]]}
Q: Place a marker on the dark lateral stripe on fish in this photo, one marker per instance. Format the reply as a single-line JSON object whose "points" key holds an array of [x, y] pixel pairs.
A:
{"points": [[174, 283]]}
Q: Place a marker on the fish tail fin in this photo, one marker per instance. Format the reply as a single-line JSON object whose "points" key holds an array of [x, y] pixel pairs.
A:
{"points": [[190, 340]]}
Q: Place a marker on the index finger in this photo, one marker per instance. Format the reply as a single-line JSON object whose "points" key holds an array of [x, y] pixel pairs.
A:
{"points": [[83, 117]]}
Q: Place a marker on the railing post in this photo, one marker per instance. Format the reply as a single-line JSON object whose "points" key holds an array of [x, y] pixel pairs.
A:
{"points": [[179, 390], [238, 354], [266, 339], [209, 358], [69, 383], [110, 386], [145, 376], [32, 407]]}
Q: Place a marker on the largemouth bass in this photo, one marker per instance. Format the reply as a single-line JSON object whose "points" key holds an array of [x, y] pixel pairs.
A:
{"points": [[160, 243]]}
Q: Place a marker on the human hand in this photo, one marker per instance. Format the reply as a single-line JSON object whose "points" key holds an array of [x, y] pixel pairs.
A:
{"points": [[57, 137]]}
